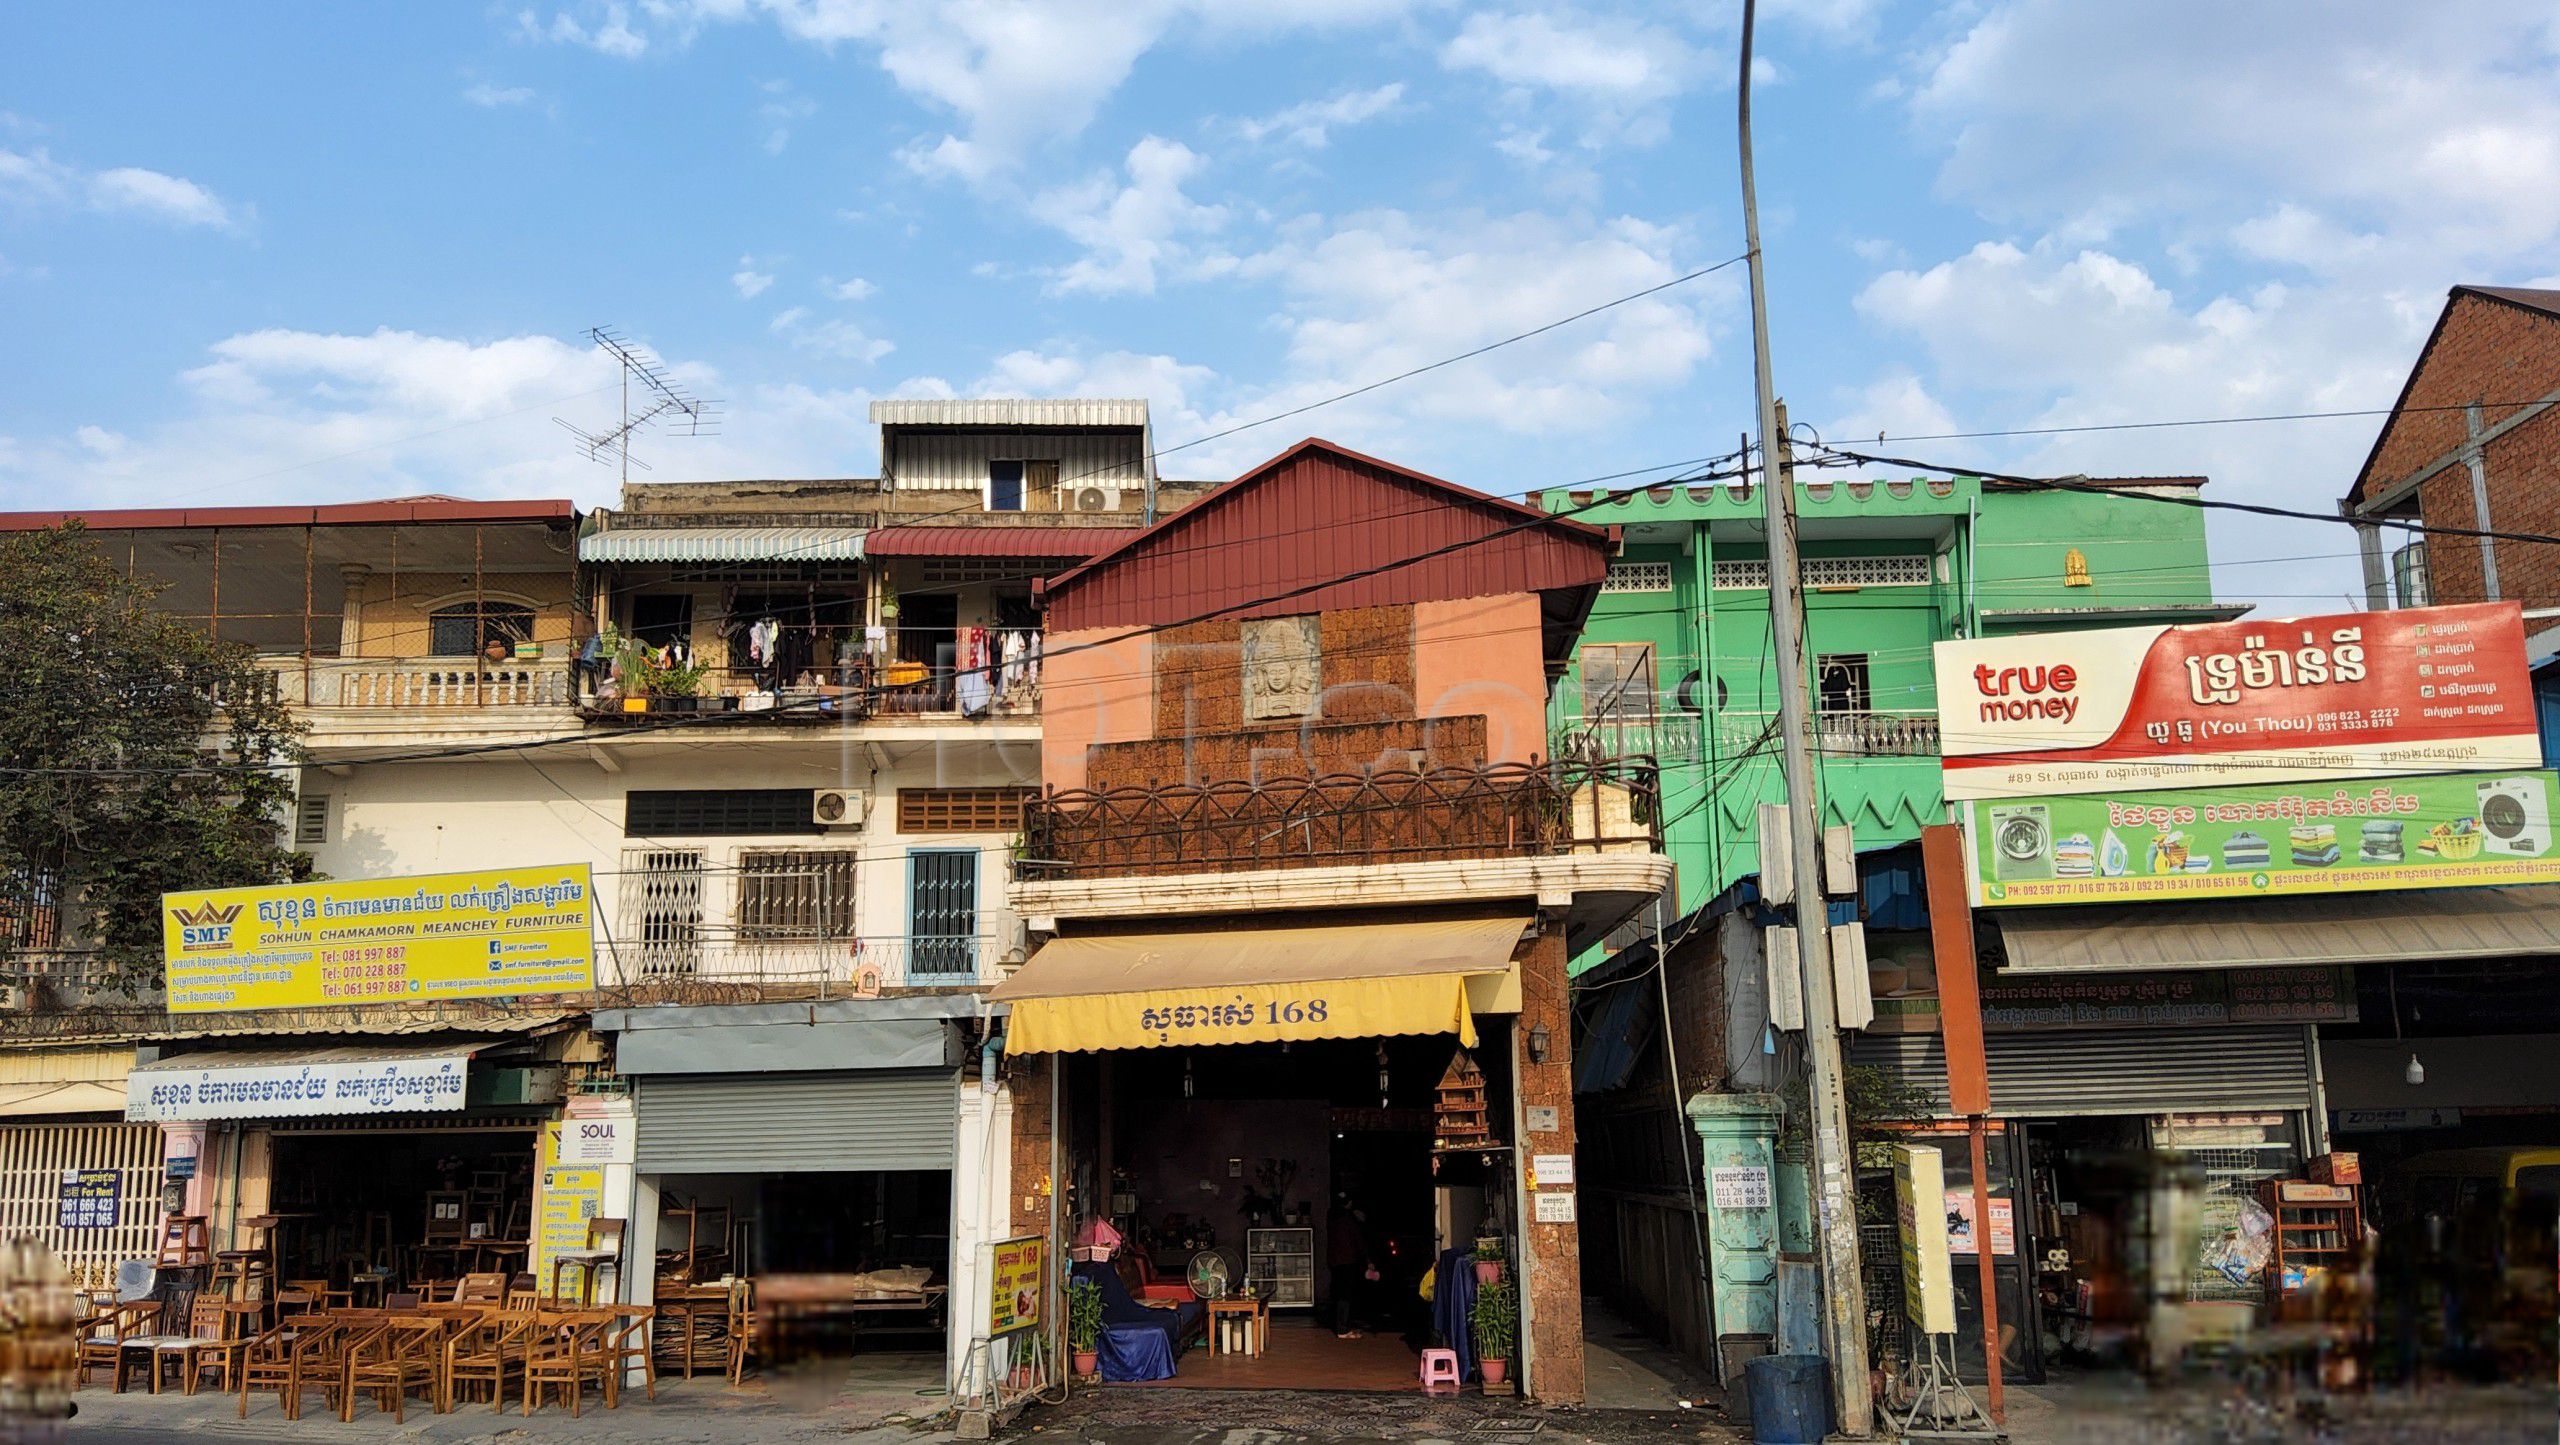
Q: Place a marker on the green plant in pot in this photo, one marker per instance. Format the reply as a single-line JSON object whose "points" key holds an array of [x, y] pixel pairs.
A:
{"points": [[1496, 1319], [1084, 1324], [1489, 1259]]}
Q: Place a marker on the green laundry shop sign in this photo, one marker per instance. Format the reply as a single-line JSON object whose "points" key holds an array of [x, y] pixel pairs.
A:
{"points": [[2453, 830]]}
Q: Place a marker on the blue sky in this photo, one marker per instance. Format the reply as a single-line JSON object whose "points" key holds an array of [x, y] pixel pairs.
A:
{"points": [[307, 251]]}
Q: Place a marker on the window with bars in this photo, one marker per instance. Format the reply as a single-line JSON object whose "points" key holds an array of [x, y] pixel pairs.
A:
{"points": [[31, 909], [1753, 572], [661, 911], [794, 894], [961, 810], [1841, 684], [718, 812], [942, 911], [463, 629], [311, 819], [1617, 681], [1637, 577]]}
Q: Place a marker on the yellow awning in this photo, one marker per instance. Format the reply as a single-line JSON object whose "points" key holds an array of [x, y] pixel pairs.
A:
{"points": [[1255, 985]]}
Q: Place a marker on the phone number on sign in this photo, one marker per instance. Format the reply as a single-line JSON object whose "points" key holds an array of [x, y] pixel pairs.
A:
{"points": [[1239, 1014]]}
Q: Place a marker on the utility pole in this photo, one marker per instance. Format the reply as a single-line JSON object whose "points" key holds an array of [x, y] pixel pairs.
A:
{"points": [[1835, 1221]]}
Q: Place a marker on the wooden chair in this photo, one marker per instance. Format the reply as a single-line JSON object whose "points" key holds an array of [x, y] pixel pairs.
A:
{"points": [[287, 1356], [603, 1252], [209, 1339], [566, 1352], [627, 1343], [744, 1339], [104, 1331], [400, 1354], [484, 1351], [480, 1289]]}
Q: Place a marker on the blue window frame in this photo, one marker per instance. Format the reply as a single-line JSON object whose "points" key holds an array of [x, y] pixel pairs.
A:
{"points": [[942, 912], [1004, 486]]}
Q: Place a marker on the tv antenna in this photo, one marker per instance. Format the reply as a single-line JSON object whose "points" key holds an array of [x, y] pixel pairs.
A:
{"points": [[661, 402]]}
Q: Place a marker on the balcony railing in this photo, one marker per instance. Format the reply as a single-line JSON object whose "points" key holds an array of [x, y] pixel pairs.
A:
{"points": [[1688, 737], [707, 969], [1505, 811], [417, 682]]}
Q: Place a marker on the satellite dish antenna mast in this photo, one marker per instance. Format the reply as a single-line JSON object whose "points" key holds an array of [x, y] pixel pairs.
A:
{"points": [[661, 400]]}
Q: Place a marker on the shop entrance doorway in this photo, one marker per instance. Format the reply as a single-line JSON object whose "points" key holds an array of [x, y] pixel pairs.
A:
{"points": [[838, 1262], [379, 1212], [1305, 1176]]}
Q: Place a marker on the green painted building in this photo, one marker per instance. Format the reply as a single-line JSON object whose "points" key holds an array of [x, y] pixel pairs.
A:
{"points": [[1676, 661]]}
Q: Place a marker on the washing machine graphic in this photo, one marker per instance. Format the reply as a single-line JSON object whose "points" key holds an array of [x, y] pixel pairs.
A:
{"points": [[2021, 842], [2515, 814]]}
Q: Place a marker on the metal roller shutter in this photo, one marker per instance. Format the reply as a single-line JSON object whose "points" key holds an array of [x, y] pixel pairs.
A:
{"points": [[796, 1123], [2109, 1071]]}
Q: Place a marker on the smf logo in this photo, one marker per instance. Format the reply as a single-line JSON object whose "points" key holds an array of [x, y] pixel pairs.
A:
{"points": [[208, 927]]}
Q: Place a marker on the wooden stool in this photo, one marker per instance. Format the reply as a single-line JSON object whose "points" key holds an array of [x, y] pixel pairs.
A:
{"points": [[185, 1242], [237, 1272]]}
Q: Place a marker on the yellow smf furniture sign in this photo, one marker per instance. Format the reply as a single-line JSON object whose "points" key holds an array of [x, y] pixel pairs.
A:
{"points": [[490, 934]]}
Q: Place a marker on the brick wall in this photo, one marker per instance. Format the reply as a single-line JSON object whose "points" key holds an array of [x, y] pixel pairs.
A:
{"points": [[1286, 750], [1553, 1251], [1367, 657], [2488, 352]]}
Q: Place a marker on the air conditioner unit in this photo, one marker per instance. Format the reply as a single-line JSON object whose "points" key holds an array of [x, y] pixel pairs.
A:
{"points": [[838, 807], [1093, 499]]}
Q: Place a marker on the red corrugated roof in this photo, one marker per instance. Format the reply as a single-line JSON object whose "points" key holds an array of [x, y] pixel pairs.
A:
{"points": [[1076, 543], [1319, 511], [334, 514]]}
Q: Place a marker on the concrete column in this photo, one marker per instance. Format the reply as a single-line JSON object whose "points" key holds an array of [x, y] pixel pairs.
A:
{"points": [[1738, 1134], [352, 576], [1551, 1254]]}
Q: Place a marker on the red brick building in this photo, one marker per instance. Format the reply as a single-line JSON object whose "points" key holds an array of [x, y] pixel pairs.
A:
{"points": [[2474, 442], [1299, 860]]}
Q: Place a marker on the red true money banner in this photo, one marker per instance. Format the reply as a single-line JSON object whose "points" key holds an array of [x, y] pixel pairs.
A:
{"points": [[2419, 690]]}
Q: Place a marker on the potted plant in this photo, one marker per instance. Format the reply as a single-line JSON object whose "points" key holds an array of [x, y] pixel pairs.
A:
{"points": [[1489, 1260], [1084, 1325], [1496, 1319]]}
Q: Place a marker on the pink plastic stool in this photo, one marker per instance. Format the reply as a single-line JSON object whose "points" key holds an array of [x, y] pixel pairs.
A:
{"points": [[1440, 1372]]}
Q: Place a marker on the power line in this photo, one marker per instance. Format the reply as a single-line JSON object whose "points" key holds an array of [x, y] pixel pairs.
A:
{"points": [[2040, 431]]}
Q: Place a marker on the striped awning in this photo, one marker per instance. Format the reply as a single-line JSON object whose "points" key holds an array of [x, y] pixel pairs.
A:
{"points": [[723, 544]]}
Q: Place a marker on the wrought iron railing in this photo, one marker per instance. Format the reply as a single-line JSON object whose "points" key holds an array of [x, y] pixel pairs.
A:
{"points": [[680, 968], [1506, 810], [1688, 736]]}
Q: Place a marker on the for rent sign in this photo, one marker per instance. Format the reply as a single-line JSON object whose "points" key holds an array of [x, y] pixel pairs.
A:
{"points": [[2421, 690]]}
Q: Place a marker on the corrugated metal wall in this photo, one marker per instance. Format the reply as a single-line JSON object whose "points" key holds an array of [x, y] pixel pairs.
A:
{"points": [[779, 1123], [2120, 1071], [1320, 514], [957, 461]]}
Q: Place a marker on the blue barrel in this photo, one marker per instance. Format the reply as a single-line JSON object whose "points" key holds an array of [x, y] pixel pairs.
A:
{"points": [[1790, 1399]]}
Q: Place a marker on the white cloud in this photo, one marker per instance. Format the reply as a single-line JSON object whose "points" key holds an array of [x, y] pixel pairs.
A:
{"points": [[1618, 72], [288, 415], [841, 339], [1310, 123], [493, 97], [1130, 231], [1017, 75], [610, 33], [2056, 336], [751, 283], [2439, 124], [782, 109], [855, 289], [35, 178]]}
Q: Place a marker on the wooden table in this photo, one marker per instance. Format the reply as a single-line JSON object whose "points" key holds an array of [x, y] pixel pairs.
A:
{"points": [[1238, 1326], [781, 1298]]}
